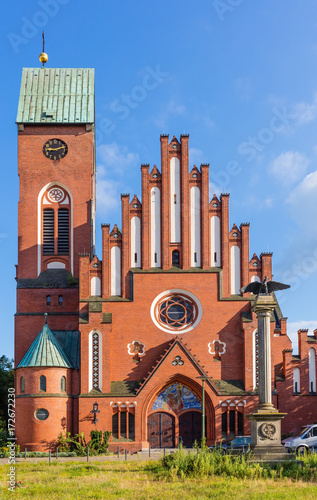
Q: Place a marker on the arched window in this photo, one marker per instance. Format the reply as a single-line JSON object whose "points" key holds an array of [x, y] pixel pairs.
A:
{"points": [[56, 222], [63, 384], [43, 383], [215, 238], [296, 381], [22, 384], [115, 425], [195, 226], [235, 270], [135, 242], [95, 286], [255, 278], [155, 227], [48, 300], [175, 201], [312, 370], [175, 258], [60, 300], [115, 271]]}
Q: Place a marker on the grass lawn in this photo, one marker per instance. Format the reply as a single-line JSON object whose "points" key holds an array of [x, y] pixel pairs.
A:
{"points": [[140, 480]]}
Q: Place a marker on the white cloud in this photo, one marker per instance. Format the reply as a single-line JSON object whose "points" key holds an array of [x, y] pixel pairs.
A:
{"points": [[305, 112], [172, 109], [303, 208], [288, 167], [292, 329], [108, 194], [114, 164], [117, 159]]}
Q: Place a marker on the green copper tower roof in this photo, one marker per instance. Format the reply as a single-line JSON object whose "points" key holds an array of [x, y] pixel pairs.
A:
{"points": [[45, 351], [57, 95]]}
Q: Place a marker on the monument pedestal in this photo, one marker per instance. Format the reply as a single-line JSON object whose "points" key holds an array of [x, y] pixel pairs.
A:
{"points": [[266, 435]]}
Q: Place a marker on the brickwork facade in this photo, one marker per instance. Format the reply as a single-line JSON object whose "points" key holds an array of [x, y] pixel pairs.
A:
{"points": [[160, 309]]}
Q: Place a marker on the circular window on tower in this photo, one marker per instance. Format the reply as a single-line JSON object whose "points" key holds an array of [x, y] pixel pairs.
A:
{"points": [[41, 414], [176, 311]]}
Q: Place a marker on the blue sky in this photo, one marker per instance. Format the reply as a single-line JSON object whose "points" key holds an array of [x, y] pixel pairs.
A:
{"points": [[239, 76]]}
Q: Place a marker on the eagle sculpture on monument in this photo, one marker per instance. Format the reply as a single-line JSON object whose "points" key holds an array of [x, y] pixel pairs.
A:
{"points": [[263, 288]]}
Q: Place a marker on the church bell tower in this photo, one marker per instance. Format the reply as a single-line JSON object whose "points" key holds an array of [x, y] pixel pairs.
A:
{"points": [[56, 223]]}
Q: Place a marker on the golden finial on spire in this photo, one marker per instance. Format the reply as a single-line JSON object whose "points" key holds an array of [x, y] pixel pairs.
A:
{"points": [[43, 57]]}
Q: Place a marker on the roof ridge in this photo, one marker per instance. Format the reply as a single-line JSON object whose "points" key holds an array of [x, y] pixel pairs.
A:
{"points": [[163, 356]]}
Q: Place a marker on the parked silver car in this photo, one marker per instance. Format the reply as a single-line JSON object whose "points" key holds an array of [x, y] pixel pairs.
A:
{"points": [[304, 439]]}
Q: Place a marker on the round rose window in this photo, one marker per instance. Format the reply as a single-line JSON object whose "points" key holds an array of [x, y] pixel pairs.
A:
{"points": [[176, 311]]}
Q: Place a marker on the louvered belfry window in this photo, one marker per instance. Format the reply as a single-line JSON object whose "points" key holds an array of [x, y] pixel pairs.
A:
{"points": [[56, 222], [48, 231], [63, 231]]}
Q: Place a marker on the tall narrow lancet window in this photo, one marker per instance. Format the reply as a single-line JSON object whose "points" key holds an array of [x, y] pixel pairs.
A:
{"points": [[115, 424], [155, 227], [63, 384], [115, 271], [43, 383], [195, 226], [22, 385], [296, 381], [175, 200], [175, 258], [135, 242], [95, 361], [95, 286], [215, 241], [235, 270], [312, 370]]}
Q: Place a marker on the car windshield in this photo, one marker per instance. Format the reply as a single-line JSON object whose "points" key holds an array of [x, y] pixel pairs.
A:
{"points": [[301, 431]]}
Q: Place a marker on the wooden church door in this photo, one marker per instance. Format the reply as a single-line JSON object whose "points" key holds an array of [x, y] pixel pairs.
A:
{"points": [[161, 430]]}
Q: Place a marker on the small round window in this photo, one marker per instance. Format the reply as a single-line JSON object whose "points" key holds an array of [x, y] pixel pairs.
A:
{"points": [[41, 414], [176, 311]]}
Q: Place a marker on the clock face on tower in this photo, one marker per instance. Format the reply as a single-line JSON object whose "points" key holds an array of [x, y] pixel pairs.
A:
{"points": [[55, 149]]}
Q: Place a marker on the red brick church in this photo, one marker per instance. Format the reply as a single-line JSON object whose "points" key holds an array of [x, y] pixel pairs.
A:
{"points": [[154, 330]]}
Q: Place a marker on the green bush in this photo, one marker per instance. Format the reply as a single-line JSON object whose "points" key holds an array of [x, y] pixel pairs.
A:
{"points": [[98, 444]]}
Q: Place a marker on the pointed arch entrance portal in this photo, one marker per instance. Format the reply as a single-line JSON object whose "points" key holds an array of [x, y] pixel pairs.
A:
{"points": [[175, 416]]}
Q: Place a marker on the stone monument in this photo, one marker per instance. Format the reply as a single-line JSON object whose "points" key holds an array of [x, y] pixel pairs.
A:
{"points": [[265, 420]]}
